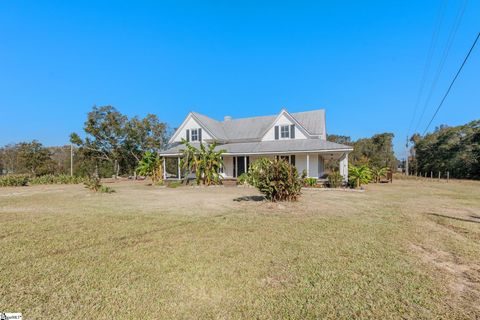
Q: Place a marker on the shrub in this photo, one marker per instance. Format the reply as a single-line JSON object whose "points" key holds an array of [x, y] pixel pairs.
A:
{"points": [[310, 182], [105, 189], [56, 179], [94, 184], [204, 161], [276, 179], [174, 184], [242, 179], [151, 165], [357, 176], [335, 179], [304, 173], [14, 180], [378, 173]]}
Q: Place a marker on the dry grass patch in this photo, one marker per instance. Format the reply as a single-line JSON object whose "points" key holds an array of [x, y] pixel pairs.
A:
{"points": [[406, 250]]}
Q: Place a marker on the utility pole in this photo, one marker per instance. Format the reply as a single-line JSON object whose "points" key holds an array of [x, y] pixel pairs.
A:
{"points": [[71, 160], [406, 157]]}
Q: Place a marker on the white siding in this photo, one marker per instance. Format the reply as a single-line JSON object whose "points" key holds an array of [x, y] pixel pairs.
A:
{"points": [[190, 124], [282, 120], [228, 166], [315, 164], [321, 166]]}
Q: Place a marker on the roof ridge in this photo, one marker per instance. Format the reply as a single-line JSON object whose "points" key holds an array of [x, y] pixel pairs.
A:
{"points": [[256, 117]]}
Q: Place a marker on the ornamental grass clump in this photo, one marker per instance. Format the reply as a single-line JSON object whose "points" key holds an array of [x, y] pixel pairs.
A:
{"points": [[278, 180], [310, 182]]}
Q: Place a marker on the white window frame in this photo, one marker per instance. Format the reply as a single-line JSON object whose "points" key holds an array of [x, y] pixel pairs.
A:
{"points": [[194, 135], [285, 134]]}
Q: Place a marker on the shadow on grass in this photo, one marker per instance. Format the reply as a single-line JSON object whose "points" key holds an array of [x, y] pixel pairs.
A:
{"points": [[249, 198], [454, 218]]}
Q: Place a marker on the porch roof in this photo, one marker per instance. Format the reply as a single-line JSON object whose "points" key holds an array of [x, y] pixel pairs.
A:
{"points": [[270, 147]]}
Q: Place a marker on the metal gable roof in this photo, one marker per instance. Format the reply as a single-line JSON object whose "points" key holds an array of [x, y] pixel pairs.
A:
{"points": [[253, 128], [269, 147]]}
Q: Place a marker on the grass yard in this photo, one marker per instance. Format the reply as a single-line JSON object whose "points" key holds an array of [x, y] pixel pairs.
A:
{"points": [[406, 250]]}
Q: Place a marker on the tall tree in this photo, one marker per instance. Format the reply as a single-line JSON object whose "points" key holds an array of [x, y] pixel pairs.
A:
{"points": [[339, 139], [113, 138], [376, 151], [9, 158], [34, 158], [105, 135], [452, 149], [144, 135]]}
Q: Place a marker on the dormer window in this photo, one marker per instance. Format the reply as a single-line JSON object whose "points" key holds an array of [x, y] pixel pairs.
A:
{"points": [[285, 132], [194, 134]]}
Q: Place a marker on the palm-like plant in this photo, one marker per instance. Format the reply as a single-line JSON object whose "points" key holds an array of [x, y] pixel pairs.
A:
{"points": [[151, 166], [359, 175], [204, 161], [190, 161], [378, 173]]}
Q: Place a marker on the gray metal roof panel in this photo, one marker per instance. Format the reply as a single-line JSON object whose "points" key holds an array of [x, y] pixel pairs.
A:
{"points": [[269, 147], [254, 127]]}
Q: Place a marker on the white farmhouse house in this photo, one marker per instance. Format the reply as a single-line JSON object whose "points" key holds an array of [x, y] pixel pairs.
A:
{"points": [[299, 137]]}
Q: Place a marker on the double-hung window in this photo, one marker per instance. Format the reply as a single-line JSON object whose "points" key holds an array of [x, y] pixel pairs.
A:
{"points": [[285, 132], [194, 134]]}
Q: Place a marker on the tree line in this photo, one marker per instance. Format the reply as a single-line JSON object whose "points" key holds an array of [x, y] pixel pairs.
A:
{"points": [[112, 145], [453, 149], [375, 152]]}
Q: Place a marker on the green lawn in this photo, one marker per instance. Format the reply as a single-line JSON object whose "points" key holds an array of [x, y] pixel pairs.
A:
{"points": [[410, 249]]}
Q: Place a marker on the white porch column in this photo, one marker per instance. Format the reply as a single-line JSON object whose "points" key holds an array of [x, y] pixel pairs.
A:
{"points": [[178, 164], [344, 167], [308, 165], [245, 163], [164, 169]]}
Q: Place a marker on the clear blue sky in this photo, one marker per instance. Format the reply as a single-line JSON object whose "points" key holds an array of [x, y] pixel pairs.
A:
{"points": [[360, 60]]}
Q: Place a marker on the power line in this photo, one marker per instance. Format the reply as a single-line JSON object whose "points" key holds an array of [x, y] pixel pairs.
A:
{"points": [[443, 59], [453, 81], [426, 69]]}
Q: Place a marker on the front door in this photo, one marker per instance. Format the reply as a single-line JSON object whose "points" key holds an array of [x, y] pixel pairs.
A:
{"points": [[240, 165]]}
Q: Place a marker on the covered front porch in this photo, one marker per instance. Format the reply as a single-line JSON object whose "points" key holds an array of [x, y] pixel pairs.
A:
{"points": [[312, 163]]}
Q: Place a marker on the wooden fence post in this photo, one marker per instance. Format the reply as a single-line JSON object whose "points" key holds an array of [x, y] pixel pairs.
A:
{"points": [[448, 175], [439, 174], [431, 174]]}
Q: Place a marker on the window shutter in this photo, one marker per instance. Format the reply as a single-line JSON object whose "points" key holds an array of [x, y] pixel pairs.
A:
{"points": [[292, 131], [188, 135], [292, 160], [200, 134], [276, 132]]}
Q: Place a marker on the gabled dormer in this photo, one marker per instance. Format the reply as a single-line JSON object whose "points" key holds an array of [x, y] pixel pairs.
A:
{"points": [[192, 130], [285, 127]]}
